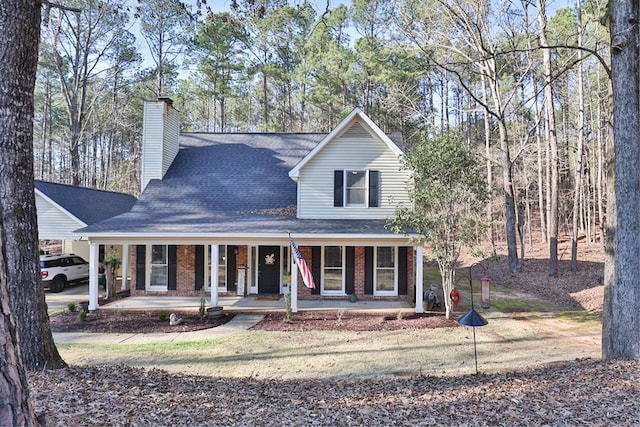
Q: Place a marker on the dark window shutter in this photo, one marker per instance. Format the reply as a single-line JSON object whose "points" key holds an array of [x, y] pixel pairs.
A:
{"points": [[316, 268], [368, 270], [373, 188], [338, 188], [403, 272], [350, 285], [141, 266], [199, 279], [172, 267]]}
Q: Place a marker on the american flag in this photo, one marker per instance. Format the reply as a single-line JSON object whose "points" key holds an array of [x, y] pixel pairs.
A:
{"points": [[307, 278]]}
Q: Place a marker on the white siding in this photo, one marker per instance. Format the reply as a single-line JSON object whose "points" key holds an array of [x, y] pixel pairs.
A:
{"points": [[354, 149], [78, 247], [161, 128], [170, 137], [54, 224]]}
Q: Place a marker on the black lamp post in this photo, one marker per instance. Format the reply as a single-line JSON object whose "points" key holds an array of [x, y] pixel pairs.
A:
{"points": [[473, 318]]}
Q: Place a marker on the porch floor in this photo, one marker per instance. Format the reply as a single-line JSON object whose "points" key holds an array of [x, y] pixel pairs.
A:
{"points": [[254, 304]]}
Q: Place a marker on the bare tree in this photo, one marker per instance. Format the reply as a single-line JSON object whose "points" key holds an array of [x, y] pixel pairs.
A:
{"points": [[621, 323], [20, 24], [463, 44], [579, 149], [80, 42], [552, 141]]}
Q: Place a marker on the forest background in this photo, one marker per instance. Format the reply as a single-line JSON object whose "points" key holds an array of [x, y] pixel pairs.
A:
{"points": [[531, 94]]}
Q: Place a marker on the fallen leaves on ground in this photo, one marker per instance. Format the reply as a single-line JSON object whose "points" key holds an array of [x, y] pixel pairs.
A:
{"points": [[344, 321], [575, 393], [135, 322]]}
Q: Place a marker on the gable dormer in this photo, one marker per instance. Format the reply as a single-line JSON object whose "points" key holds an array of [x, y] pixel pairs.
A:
{"points": [[355, 172], [160, 132]]}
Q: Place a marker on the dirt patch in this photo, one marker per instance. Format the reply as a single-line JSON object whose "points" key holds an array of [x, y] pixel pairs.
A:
{"points": [[334, 321], [150, 322], [570, 290], [132, 322]]}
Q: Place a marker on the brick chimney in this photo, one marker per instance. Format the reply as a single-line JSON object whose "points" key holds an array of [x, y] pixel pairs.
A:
{"points": [[160, 132]]}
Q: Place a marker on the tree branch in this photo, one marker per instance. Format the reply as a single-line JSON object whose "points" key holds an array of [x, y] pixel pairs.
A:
{"points": [[61, 6]]}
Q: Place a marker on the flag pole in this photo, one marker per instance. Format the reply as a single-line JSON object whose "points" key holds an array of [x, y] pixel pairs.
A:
{"points": [[293, 284]]}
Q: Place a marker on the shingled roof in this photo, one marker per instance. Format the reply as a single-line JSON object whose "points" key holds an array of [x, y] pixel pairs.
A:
{"points": [[87, 205], [229, 183]]}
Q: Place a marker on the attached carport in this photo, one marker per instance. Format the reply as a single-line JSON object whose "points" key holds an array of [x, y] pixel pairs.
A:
{"points": [[63, 208]]}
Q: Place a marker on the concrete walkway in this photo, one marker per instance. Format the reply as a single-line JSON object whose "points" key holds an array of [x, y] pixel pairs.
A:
{"points": [[240, 322]]}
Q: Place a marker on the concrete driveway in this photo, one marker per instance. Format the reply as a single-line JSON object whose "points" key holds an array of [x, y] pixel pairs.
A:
{"points": [[73, 294]]}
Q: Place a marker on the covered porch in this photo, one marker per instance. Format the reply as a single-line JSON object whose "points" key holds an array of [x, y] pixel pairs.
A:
{"points": [[249, 272]]}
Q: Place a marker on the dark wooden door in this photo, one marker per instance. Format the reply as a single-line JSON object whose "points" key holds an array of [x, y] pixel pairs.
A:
{"points": [[269, 270]]}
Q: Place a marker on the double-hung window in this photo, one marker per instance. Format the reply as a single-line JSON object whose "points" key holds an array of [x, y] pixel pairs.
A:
{"points": [[332, 274], [356, 188], [159, 277], [385, 271]]}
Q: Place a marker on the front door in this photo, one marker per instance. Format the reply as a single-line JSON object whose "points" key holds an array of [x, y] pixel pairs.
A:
{"points": [[269, 270]]}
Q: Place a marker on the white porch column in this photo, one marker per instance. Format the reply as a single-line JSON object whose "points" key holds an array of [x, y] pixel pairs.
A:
{"points": [[214, 275], [93, 276], [125, 266], [419, 279], [293, 286]]}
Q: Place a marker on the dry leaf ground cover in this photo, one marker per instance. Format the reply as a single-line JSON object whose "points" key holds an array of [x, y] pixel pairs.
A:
{"points": [[538, 360], [581, 393]]}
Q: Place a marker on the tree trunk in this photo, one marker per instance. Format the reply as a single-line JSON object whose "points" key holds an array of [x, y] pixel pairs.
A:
{"points": [[18, 223], [509, 200], [15, 407], [621, 323], [489, 166], [448, 277], [553, 144], [20, 23], [578, 170], [600, 184]]}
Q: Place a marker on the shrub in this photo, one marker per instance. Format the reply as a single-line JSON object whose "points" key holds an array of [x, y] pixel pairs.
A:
{"points": [[82, 315], [162, 316], [71, 307]]}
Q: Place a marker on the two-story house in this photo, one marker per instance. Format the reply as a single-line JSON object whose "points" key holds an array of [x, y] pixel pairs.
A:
{"points": [[217, 211]]}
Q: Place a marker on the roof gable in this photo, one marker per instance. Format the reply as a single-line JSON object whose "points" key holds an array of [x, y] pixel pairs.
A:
{"points": [[357, 123]]}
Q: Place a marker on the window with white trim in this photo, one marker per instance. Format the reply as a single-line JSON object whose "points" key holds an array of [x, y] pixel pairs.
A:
{"points": [[332, 270], [385, 278], [222, 267], [356, 188], [159, 259]]}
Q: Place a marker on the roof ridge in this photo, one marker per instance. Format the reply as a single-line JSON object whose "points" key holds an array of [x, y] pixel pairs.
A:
{"points": [[84, 188], [253, 133]]}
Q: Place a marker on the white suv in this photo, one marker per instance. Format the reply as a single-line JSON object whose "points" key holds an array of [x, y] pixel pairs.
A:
{"points": [[59, 270]]}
